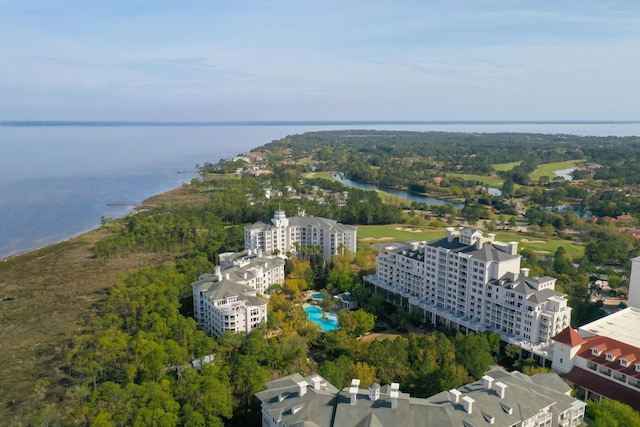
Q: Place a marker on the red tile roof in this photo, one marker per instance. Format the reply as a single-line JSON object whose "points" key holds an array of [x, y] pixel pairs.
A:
{"points": [[570, 337], [603, 387], [608, 345], [630, 358], [614, 352]]}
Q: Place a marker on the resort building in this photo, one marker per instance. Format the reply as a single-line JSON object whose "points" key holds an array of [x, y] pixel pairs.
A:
{"points": [[282, 235], [633, 299], [474, 284], [602, 358], [500, 398], [227, 300]]}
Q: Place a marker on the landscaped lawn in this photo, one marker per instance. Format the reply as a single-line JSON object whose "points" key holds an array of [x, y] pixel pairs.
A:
{"points": [[548, 169], [403, 232], [325, 175], [505, 166], [542, 244], [396, 233], [491, 181]]}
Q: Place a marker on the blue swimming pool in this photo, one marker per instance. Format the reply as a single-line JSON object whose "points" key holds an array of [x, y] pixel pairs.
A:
{"points": [[317, 296], [330, 322]]}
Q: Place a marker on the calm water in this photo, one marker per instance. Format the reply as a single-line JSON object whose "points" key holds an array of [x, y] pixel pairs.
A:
{"points": [[330, 321], [400, 193], [56, 181]]}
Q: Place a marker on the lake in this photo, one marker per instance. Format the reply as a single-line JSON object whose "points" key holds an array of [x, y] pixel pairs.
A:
{"points": [[399, 193], [56, 180]]}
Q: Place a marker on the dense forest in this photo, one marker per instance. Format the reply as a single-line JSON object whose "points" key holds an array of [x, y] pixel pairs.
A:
{"points": [[133, 365]]}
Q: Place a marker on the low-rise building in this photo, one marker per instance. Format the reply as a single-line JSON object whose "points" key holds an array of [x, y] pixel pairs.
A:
{"points": [[346, 301], [473, 283], [500, 398], [228, 300]]}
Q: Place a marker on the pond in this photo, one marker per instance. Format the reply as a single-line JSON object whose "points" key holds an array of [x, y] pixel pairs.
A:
{"points": [[565, 173], [400, 193], [329, 323]]}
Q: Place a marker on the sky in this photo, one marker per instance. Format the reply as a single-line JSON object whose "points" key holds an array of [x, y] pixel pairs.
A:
{"points": [[319, 60]]}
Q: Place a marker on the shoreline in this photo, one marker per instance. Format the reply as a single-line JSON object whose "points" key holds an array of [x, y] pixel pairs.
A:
{"points": [[49, 294], [132, 211]]}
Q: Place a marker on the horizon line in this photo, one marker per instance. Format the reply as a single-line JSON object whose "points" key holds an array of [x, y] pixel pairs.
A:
{"points": [[17, 123]]}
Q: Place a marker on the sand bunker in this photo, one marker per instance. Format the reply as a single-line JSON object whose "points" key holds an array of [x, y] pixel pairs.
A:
{"points": [[409, 229], [375, 239]]}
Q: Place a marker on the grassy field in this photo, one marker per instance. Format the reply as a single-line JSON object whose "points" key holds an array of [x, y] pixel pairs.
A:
{"points": [[491, 181], [324, 175], [548, 169], [396, 232], [46, 296], [399, 232], [505, 166]]}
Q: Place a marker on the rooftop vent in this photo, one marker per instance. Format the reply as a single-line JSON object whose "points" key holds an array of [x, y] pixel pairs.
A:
{"points": [[316, 380], [487, 382], [467, 402], [374, 391], [501, 389], [302, 388]]}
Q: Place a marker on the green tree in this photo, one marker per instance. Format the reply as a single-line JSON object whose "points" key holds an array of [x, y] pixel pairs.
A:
{"points": [[341, 276], [356, 323], [610, 413]]}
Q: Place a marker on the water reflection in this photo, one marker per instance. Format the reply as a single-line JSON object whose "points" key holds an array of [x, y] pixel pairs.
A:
{"points": [[400, 193]]}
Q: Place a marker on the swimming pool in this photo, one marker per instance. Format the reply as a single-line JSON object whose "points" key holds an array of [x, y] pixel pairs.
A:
{"points": [[330, 322], [317, 296]]}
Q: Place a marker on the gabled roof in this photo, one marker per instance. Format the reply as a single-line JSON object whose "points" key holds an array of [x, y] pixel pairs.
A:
{"points": [[570, 337], [607, 345], [489, 252]]}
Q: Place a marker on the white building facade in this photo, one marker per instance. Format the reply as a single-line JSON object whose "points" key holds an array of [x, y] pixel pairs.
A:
{"points": [[228, 300], [282, 235], [473, 283]]}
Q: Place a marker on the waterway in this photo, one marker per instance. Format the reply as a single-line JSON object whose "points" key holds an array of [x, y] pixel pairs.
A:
{"points": [[57, 178], [399, 193]]}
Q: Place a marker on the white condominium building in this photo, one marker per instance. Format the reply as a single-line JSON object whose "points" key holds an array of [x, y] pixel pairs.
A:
{"points": [[281, 235], [228, 298], [473, 283]]}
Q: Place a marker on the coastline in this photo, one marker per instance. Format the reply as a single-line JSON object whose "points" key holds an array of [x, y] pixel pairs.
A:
{"points": [[98, 205], [57, 299]]}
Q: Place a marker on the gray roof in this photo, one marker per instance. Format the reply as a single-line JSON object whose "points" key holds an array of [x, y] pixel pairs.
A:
{"points": [[526, 286], [223, 289], [489, 252], [524, 398], [453, 245], [304, 221], [314, 408]]}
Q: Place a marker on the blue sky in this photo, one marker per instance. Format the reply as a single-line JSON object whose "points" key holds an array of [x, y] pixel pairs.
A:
{"points": [[322, 60]]}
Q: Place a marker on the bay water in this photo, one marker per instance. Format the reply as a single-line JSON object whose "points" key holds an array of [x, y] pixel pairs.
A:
{"points": [[58, 180]]}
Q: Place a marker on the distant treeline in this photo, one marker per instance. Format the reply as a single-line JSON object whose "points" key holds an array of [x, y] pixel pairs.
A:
{"points": [[217, 225], [354, 151]]}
